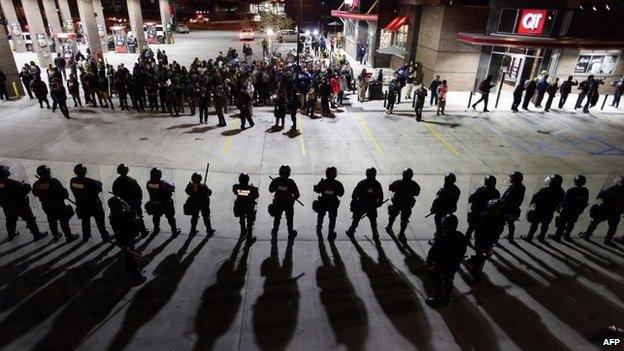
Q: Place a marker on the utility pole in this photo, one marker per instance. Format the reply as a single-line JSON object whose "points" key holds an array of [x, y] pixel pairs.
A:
{"points": [[298, 28]]}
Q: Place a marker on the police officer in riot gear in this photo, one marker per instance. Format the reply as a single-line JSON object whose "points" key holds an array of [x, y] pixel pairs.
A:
{"points": [[15, 204], [329, 190], [160, 201], [365, 199], [574, 202], [87, 194], [126, 225], [445, 201], [489, 225], [479, 200], [286, 193], [512, 200], [52, 195], [546, 201], [445, 257], [198, 202], [405, 191], [610, 210], [127, 189], [245, 204]]}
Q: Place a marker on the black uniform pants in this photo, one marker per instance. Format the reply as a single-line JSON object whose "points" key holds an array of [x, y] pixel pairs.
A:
{"points": [[220, 115], [153, 102], [565, 224], [404, 211], [27, 88], [617, 96], [246, 117], [203, 112], [289, 210], [192, 107], [612, 220], [517, 100], [43, 99], [293, 119], [62, 105], [53, 222], [549, 101], [418, 110], [332, 213], [205, 213], [579, 100], [543, 222], [443, 284], [562, 99], [485, 97], [123, 99], [169, 213], [26, 215], [130, 259], [76, 99], [97, 212], [371, 213], [246, 221]]}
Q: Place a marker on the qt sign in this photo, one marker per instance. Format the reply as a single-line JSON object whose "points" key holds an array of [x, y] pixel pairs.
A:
{"points": [[532, 22]]}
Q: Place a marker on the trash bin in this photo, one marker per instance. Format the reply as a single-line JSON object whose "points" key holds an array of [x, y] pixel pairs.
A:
{"points": [[374, 91]]}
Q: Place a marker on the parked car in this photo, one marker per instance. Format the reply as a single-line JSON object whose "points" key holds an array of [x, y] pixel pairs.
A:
{"points": [[247, 34], [286, 36], [182, 28]]}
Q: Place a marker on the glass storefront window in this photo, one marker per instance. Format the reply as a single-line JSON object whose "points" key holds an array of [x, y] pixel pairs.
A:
{"points": [[596, 62], [400, 37], [385, 38]]}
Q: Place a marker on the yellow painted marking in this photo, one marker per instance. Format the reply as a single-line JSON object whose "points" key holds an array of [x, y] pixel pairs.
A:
{"points": [[302, 143], [228, 139], [442, 140], [370, 135]]}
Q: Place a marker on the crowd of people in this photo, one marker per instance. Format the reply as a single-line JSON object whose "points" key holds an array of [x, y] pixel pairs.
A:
{"points": [[490, 212], [154, 84]]}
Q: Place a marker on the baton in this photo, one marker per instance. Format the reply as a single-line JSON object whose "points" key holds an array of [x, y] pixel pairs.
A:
{"points": [[364, 215], [300, 203], [206, 174], [429, 215]]}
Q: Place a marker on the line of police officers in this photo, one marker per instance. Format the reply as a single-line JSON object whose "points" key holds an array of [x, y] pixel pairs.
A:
{"points": [[489, 211]]}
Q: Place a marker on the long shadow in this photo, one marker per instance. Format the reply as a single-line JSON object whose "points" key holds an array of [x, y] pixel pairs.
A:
{"points": [[222, 300], [15, 249], [445, 124], [156, 293], [19, 287], [478, 334], [199, 130], [93, 303], [517, 320], [616, 250], [396, 296], [603, 261], [231, 132], [17, 266], [182, 126], [583, 270], [597, 253], [275, 312], [345, 309], [49, 299], [573, 303]]}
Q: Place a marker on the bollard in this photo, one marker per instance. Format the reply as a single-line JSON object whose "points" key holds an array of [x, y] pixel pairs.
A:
{"points": [[16, 90], [385, 99], [500, 88], [604, 101], [470, 99]]}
